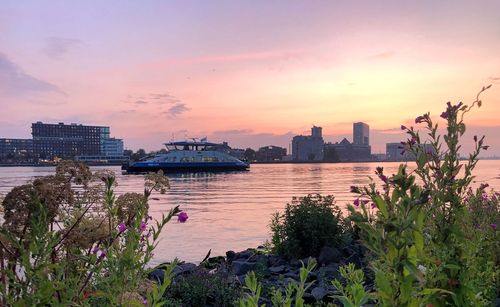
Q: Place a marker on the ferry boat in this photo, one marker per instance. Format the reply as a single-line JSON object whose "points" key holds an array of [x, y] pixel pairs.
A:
{"points": [[195, 156]]}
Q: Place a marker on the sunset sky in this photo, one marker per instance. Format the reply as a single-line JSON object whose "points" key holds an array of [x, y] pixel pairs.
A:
{"points": [[252, 73]]}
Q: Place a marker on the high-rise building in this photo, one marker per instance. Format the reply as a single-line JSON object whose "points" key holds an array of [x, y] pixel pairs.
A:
{"points": [[360, 134], [68, 141]]}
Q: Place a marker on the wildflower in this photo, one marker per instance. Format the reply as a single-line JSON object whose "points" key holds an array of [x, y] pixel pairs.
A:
{"points": [[493, 226], [182, 217], [475, 138], [445, 115], [403, 127], [143, 226], [122, 227], [101, 253], [419, 119], [373, 206], [485, 147], [356, 202], [355, 189], [145, 302]]}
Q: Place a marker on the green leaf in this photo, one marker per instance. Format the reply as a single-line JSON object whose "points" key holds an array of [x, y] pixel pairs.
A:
{"points": [[381, 205]]}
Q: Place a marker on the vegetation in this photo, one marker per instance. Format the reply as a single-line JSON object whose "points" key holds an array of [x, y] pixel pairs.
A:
{"points": [[308, 224], [433, 238], [68, 240]]}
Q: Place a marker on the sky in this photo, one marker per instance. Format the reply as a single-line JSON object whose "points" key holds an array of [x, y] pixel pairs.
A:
{"points": [[252, 73]]}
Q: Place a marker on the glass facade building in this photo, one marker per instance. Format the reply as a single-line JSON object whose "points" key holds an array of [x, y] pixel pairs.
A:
{"points": [[67, 141]]}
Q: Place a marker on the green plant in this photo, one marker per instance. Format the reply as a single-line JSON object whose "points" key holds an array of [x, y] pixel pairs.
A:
{"points": [[353, 294], [308, 224], [203, 288], [420, 231], [68, 240], [294, 291]]}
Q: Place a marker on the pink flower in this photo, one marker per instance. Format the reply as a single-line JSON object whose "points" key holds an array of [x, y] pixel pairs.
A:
{"points": [[182, 217], [122, 227], [145, 302], [143, 226]]}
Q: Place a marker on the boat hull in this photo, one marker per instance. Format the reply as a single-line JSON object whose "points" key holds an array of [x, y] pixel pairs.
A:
{"points": [[184, 167]]}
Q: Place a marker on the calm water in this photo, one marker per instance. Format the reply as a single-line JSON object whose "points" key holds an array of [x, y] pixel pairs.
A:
{"points": [[232, 210]]}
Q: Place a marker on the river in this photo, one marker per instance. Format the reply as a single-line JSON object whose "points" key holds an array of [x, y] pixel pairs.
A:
{"points": [[231, 211]]}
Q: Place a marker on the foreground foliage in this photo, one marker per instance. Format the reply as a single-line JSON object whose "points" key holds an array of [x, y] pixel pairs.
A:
{"points": [[67, 240]]}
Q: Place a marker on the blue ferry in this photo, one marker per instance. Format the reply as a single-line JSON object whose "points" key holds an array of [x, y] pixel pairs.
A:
{"points": [[195, 156]]}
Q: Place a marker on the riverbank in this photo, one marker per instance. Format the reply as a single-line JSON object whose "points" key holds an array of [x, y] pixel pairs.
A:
{"points": [[223, 277]]}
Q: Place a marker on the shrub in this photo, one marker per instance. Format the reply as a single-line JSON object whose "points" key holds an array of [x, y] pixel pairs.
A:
{"points": [[202, 288], [308, 224], [63, 241], [429, 239]]}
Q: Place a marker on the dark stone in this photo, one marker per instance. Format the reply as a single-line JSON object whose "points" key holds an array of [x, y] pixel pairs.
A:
{"points": [[306, 260], [277, 269], [329, 272], [184, 268], [277, 261], [319, 293], [328, 255], [157, 275], [230, 255], [244, 255], [243, 267]]}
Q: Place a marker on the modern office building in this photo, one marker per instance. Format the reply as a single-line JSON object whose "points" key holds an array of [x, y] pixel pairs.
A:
{"points": [[113, 147], [308, 148], [16, 149], [270, 153], [51, 141], [360, 134]]}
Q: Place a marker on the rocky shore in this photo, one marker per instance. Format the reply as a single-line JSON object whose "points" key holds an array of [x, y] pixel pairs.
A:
{"points": [[274, 271]]}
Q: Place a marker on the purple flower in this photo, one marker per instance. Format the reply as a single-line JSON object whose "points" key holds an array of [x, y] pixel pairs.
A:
{"points": [[182, 217], [354, 189], [122, 227], [475, 138], [143, 226], [403, 127], [101, 253], [419, 119], [145, 302], [373, 206], [356, 202], [445, 115], [485, 147], [493, 226]]}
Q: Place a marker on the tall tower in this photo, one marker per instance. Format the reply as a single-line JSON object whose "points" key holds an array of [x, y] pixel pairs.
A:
{"points": [[361, 134], [316, 132]]}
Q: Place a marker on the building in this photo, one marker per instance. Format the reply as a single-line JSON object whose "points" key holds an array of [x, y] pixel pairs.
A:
{"points": [[396, 152], [308, 148], [52, 141], [346, 151], [270, 153], [113, 147], [360, 134], [19, 150]]}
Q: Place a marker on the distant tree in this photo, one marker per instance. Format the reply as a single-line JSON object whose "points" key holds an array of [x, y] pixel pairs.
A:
{"points": [[249, 154], [331, 155], [128, 152], [139, 154]]}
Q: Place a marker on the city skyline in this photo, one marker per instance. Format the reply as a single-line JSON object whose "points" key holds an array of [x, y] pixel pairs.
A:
{"points": [[150, 70]]}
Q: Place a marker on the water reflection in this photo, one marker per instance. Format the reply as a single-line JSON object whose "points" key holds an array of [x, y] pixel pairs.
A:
{"points": [[232, 210]]}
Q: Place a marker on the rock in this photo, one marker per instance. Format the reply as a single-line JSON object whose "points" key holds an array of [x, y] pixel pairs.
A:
{"points": [[184, 268], [243, 267], [277, 269], [319, 293], [262, 259], [328, 255], [277, 261], [329, 272], [157, 275], [244, 255], [230, 255]]}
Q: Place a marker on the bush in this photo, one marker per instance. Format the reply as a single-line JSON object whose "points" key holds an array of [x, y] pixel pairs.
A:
{"points": [[202, 288], [308, 224], [66, 240], [434, 239]]}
